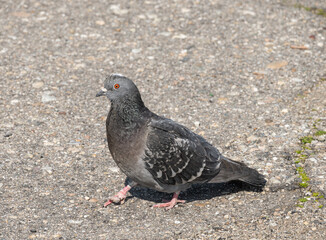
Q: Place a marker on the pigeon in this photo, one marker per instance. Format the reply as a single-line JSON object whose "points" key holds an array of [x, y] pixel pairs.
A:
{"points": [[157, 152]]}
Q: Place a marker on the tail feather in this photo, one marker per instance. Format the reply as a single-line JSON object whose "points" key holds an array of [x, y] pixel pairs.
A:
{"points": [[232, 170]]}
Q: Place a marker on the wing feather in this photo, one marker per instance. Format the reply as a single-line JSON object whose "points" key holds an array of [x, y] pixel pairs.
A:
{"points": [[175, 155]]}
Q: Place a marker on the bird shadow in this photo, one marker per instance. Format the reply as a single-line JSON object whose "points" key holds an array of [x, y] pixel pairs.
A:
{"points": [[204, 191]]}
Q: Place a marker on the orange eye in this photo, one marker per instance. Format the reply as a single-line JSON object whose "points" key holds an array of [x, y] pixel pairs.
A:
{"points": [[116, 86]]}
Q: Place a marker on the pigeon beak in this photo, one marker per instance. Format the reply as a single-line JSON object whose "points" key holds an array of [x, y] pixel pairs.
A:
{"points": [[102, 92]]}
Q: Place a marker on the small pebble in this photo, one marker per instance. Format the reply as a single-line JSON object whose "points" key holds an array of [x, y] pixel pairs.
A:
{"points": [[138, 50], [114, 169], [197, 123], [14, 101], [9, 134], [48, 169], [38, 85], [296, 80], [78, 222], [47, 97], [252, 138], [118, 11], [274, 181], [100, 22]]}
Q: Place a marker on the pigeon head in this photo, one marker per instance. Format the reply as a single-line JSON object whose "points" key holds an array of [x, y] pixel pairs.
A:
{"points": [[118, 87]]}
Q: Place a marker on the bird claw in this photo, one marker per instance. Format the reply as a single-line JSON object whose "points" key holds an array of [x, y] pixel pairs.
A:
{"points": [[170, 204], [120, 197]]}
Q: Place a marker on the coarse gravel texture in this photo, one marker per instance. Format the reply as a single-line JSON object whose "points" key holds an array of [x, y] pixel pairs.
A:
{"points": [[249, 76]]}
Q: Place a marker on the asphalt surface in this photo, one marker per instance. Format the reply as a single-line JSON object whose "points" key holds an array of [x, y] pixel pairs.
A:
{"points": [[249, 76]]}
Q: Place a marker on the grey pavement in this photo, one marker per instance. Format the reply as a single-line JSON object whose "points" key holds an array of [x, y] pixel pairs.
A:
{"points": [[249, 76]]}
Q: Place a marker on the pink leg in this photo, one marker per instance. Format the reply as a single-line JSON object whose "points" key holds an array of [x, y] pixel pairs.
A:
{"points": [[172, 203], [119, 197]]}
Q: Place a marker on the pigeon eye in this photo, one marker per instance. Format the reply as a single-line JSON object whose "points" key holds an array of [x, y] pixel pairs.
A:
{"points": [[116, 86]]}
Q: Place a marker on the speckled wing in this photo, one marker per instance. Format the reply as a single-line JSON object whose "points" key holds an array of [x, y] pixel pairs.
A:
{"points": [[176, 156]]}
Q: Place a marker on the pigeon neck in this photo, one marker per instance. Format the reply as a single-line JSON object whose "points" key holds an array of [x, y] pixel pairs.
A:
{"points": [[129, 110]]}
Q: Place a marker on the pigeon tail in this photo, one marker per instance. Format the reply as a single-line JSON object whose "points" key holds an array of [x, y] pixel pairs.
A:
{"points": [[232, 170]]}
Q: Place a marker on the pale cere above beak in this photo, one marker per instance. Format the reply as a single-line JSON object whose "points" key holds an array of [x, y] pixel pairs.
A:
{"points": [[102, 92]]}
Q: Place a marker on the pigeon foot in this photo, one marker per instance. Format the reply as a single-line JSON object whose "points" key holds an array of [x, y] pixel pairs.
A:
{"points": [[119, 197], [174, 201]]}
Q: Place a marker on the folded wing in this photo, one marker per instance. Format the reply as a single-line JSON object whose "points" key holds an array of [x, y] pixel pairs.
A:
{"points": [[175, 155]]}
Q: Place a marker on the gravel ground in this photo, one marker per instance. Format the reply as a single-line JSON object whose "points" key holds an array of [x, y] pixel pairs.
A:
{"points": [[248, 76]]}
